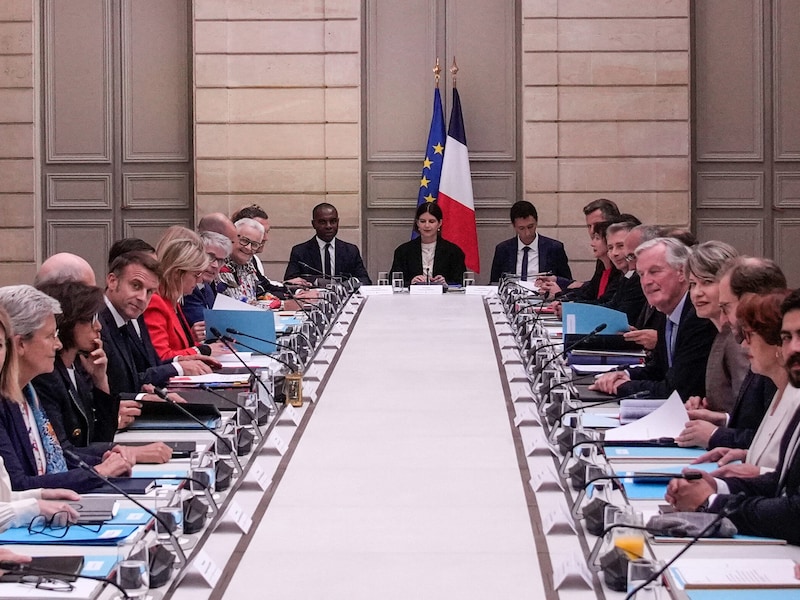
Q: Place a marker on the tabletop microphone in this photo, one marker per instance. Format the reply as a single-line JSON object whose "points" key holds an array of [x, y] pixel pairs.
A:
{"points": [[310, 309], [732, 506], [572, 346], [233, 331], [583, 376], [162, 393], [108, 481], [24, 569], [227, 341], [587, 404], [244, 409]]}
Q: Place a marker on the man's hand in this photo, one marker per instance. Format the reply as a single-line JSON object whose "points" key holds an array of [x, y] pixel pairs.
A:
{"points": [[689, 495], [128, 411], [713, 455], [720, 419], [743, 470], [696, 433], [195, 366], [60, 494], [114, 465], [299, 281], [695, 402], [610, 382], [6, 554], [733, 455], [647, 338]]}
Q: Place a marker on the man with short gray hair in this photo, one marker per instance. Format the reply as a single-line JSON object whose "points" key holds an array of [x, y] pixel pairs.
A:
{"points": [[684, 339]]}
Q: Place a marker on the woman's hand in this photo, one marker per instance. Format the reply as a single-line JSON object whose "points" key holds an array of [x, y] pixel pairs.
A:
{"points": [[199, 331], [61, 512], [114, 465], [60, 494], [95, 364]]}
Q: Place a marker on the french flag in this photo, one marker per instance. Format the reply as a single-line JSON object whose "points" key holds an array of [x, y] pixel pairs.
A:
{"points": [[455, 190]]}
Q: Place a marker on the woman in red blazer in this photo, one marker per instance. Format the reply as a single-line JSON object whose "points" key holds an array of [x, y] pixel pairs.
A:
{"points": [[183, 260]]}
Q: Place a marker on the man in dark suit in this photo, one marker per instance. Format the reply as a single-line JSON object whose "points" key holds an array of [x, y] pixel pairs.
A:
{"points": [[770, 503], [628, 297], [539, 254], [324, 253], [132, 361], [684, 339]]}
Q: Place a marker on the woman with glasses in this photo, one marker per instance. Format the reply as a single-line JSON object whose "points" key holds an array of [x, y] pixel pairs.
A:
{"points": [[28, 444], [759, 332], [238, 277], [75, 395], [183, 261]]}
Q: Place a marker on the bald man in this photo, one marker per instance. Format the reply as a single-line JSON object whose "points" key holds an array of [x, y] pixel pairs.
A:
{"points": [[63, 267], [218, 223]]}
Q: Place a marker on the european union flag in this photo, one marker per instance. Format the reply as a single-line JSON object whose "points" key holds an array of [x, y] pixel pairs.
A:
{"points": [[434, 154]]}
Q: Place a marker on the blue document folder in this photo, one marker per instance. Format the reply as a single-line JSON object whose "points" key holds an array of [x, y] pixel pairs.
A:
{"points": [[582, 318], [104, 535], [258, 323]]}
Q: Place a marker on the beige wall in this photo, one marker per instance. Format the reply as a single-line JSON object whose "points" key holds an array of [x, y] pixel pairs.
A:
{"points": [[605, 111], [277, 102], [18, 239]]}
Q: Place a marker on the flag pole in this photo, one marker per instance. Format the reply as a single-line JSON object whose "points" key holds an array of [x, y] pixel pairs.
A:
{"points": [[437, 70], [453, 71]]}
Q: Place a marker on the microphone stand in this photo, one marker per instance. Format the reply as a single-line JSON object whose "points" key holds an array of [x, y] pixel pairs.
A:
{"points": [[250, 415], [162, 393], [226, 340]]}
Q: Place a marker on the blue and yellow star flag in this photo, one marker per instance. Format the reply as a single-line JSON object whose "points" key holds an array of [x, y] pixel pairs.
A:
{"points": [[434, 154]]}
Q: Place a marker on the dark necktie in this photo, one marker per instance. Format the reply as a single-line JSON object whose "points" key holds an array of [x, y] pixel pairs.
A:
{"points": [[328, 266], [134, 342], [524, 274]]}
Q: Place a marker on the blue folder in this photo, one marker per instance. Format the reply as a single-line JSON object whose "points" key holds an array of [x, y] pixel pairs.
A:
{"points": [[107, 535], [672, 453], [258, 323]]}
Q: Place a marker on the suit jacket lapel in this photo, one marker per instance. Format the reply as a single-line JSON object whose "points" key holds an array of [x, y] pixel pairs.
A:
{"points": [[122, 346]]}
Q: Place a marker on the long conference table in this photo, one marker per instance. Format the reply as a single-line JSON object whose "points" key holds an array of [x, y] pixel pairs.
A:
{"points": [[406, 482]]}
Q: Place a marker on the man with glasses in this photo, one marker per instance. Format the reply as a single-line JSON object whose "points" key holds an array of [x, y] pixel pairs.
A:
{"points": [[218, 248], [628, 297], [324, 254]]}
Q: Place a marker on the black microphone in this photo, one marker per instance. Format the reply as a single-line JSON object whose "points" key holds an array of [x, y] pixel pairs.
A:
{"points": [[302, 304], [24, 568], [226, 340], [732, 506], [229, 340], [569, 348], [107, 480], [314, 270], [244, 409], [580, 377], [162, 393]]}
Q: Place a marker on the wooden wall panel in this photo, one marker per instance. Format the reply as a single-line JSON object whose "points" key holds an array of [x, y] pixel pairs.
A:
{"points": [[719, 189], [401, 49], [155, 66], [729, 105], [787, 190], [787, 84], [787, 232], [746, 235], [78, 81], [89, 238], [78, 191], [155, 190]]}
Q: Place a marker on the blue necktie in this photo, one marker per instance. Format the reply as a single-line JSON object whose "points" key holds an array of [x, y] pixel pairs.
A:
{"points": [[670, 344], [524, 274]]}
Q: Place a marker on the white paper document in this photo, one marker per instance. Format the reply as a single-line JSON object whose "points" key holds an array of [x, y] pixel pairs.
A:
{"points": [[735, 573], [667, 421]]}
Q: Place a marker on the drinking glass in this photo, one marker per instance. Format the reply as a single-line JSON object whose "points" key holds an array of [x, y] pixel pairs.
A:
{"points": [[133, 569], [397, 281], [169, 513], [631, 541], [469, 278], [201, 468], [641, 570], [248, 401], [383, 277]]}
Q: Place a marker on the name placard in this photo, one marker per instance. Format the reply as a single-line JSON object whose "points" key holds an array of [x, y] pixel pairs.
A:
{"points": [[481, 290], [206, 567], [376, 290], [426, 290]]}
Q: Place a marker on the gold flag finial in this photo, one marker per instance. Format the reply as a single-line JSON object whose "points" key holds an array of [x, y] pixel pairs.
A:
{"points": [[454, 71], [437, 70]]}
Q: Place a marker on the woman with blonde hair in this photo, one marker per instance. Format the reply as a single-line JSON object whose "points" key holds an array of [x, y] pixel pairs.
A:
{"points": [[183, 260]]}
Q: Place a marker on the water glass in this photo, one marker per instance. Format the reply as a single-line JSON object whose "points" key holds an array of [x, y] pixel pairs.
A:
{"points": [[398, 283], [133, 570], [641, 570], [383, 277], [248, 405], [201, 469], [469, 278], [169, 513], [630, 540]]}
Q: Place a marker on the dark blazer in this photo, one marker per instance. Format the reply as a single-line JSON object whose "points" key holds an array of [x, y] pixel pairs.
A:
{"points": [[17, 453], [82, 416], [552, 257], [448, 260], [628, 298], [193, 304], [588, 292], [347, 261], [751, 405], [124, 378], [771, 507], [688, 372]]}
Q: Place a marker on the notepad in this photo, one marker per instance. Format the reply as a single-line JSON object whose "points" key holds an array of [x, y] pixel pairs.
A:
{"points": [[735, 573]]}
